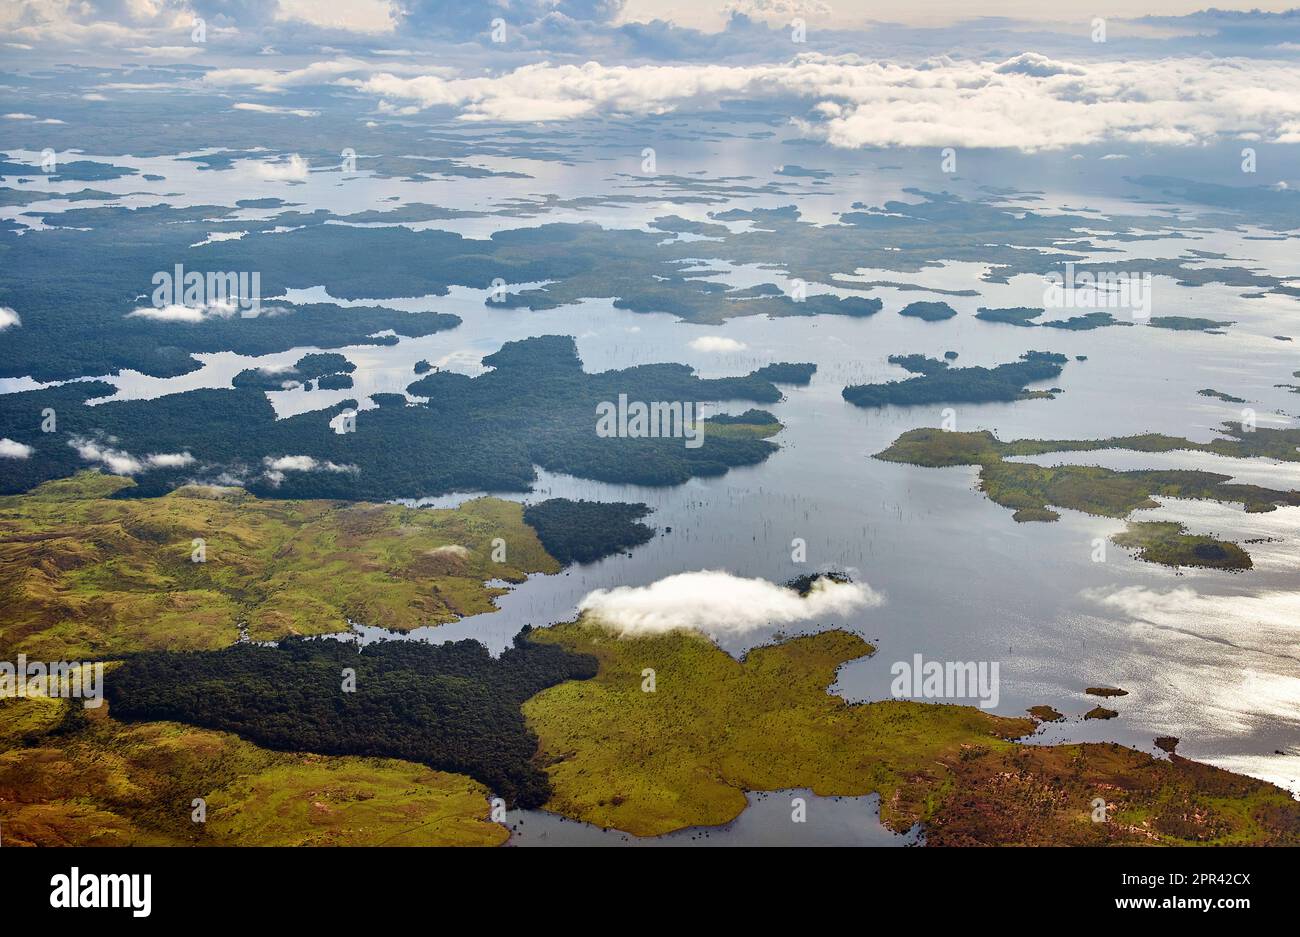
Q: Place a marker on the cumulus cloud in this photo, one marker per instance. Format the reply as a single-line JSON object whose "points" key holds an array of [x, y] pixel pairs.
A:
{"points": [[277, 466], [716, 343], [1029, 102], [718, 604], [362, 16], [120, 462], [8, 318], [178, 313], [10, 449], [294, 169]]}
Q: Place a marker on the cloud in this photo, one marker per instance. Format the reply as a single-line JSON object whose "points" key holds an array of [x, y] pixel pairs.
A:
{"points": [[276, 466], [1028, 102], [275, 80], [718, 603], [170, 460], [271, 109], [362, 16], [294, 169], [166, 52], [120, 462], [8, 318], [716, 343], [9, 449], [179, 313]]}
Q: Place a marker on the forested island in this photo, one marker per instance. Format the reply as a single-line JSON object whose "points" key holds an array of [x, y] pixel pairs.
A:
{"points": [[940, 383], [535, 406]]}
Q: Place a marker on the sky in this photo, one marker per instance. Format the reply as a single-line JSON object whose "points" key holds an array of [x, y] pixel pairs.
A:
{"points": [[1164, 74]]}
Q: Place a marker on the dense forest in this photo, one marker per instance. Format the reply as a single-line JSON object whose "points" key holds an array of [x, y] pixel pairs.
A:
{"points": [[536, 406], [939, 383], [585, 531], [450, 706]]}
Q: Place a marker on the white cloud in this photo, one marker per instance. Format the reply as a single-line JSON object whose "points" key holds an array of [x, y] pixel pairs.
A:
{"points": [[8, 318], [166, 52], [19, 115], [716, 343], [276, 466], [170, 460], [179, 313], [1029, 102], [718, 603], [273, 80], [271, 109], [359, 16], [120, 462], [9, 449], [294, 169]]}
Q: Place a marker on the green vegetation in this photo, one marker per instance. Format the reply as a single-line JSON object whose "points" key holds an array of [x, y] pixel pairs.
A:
{"points": [[939, 383], [332, 371], [585, 531], [1019, 315], [1045, 714], [451, 706], [785, 372], [83, 574], [1032, 490], [1189, 324], [535, 407], [99, 782], [1169, 544], [715, 727], [1024, 316], [1219, 395], [929, 312]]}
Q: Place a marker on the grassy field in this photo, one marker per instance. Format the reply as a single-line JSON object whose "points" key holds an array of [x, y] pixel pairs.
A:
{"points": [[715, 727], [86, 575], [79, 777]]}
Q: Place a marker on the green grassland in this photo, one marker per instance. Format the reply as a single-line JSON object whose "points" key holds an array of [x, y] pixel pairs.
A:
{"points": [[86, 575], [715, 727], [85, 779], [1032, 491]]}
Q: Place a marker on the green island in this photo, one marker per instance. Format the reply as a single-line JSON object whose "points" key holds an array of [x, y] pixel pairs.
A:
{"points": [[536, 406], [928, 311], [937, 382], [716, 727], [330, 370], [1189, 324], [1024, 316], [585, 531], [85, 574], [1220, 395], [1033, 490], [1169, 543]]}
